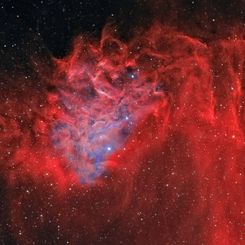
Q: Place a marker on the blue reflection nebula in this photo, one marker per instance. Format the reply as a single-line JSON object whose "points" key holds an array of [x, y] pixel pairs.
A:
{"points": [[87, 146]]}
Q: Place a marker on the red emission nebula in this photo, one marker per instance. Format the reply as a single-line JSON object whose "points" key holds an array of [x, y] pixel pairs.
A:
{"points": [[137, 142]]}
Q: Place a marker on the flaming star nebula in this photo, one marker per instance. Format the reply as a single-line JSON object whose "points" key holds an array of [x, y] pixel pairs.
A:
{"points": [[127, 141]]}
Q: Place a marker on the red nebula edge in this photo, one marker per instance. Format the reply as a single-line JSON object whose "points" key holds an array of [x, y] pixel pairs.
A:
{"points": [[138, 142]]}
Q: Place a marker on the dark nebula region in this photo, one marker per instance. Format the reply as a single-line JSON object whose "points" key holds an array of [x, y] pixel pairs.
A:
{"points": [[134, 134]]}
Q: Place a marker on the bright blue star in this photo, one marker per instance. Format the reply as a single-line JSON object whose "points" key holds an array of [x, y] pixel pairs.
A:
{"points": [[108, 148]]}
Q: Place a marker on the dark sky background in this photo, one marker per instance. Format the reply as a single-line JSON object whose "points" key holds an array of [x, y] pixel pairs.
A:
{"points": [[58, 22]]}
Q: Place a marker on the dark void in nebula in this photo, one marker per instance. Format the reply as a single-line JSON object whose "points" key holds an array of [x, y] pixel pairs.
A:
{"points": [[122, 123]]}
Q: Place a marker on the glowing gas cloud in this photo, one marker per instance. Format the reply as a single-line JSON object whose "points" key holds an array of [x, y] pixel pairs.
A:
{"points": [[137, 142]]}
